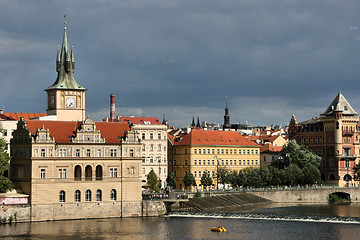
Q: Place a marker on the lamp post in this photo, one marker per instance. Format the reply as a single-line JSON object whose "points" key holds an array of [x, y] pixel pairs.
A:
{"points": [[217, 176]]}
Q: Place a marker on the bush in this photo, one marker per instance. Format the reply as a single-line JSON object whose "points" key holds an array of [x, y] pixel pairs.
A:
{"points": [[197, 194]]}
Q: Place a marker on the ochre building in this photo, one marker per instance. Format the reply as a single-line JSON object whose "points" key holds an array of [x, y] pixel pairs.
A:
{"points": [[207, 150]]}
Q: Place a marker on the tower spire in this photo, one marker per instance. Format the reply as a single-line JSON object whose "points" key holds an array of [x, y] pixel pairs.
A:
{"points": [[227, 124], [65, 66]]}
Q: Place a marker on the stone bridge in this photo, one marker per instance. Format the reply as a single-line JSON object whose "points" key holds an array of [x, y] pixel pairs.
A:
{"points": [[309, 195]]}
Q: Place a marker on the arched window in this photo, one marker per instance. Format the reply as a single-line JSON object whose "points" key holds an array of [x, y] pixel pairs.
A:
{"points": [[113, 194], [62, 196], [98, 195], [88, 195], [88, 173], [77, 196], [99, 172], [77, 173]]}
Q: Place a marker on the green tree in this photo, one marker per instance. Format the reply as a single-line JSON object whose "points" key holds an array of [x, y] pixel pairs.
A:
{"points": [[189, 179], [311, 174], [171, 180], [277, 178], [253, 178], [222, 175], [153, 181], [356, 171], [294, 174], [233, 178], [206, 180], [265, 176], [5, 183], [292, 153]]}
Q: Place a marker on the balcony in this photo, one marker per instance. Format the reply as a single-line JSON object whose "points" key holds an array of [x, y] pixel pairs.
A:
{"points": [[348, 156], [348, 132]]}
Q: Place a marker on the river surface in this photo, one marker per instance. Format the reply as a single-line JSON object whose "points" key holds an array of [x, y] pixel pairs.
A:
{"points": [[271, 221]]}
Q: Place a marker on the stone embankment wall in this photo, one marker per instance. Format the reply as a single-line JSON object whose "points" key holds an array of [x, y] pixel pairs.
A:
{"points": [[153, 208], [14, 213], [319, 195], [22, 213]]}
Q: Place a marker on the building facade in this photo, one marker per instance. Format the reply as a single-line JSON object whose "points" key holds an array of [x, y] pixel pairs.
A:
{"points": [[74, 169], [153, 135], [207, 150], [334, 137]]}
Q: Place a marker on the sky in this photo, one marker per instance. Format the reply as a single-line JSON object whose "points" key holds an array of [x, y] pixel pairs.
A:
{"points": [[182, 57]]}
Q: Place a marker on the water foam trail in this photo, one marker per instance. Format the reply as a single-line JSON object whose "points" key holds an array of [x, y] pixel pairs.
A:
{"points": [[276, 217]]}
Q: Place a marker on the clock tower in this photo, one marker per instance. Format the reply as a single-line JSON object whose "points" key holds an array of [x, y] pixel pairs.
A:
{"points": [[66, 98]]}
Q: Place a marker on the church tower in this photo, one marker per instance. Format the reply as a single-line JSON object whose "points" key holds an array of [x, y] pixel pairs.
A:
{"points": [[66, 98], [227, 124]]}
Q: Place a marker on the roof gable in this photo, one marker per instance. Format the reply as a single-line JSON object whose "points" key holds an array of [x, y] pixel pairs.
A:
{"points": [[340, 104]]}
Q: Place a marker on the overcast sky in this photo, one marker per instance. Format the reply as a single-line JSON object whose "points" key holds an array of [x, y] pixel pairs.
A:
{"points": [[181, 58]]}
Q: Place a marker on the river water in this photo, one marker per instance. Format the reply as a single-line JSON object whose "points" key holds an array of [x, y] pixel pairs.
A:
{"points": [[271, 221]]}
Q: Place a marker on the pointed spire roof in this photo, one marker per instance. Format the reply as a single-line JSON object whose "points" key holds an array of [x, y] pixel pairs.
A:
{"points": [[65, 66], [193, 122], [198, 123], [340, 104]]}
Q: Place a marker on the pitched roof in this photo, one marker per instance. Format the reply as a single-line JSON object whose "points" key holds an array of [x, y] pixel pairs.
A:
{"points": [[61, 131], [17, 116], [141, 120], [269, 148], [340, 104], [214, 137]]}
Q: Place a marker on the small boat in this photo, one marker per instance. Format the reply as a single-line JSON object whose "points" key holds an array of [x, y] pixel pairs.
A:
{"points": [[218, 229]]}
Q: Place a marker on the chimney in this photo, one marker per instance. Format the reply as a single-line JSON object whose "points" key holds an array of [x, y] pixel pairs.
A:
{"points": [[112, 107]]}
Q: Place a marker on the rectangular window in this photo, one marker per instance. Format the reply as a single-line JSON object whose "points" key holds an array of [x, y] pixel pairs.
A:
{"points": [[77, 153], [152, 160], [151, 136], [230, 151], [252, 152], [256, 162], [227, 151], [50, 152], [42, 152], [239, 162], [98, 153], [248, 152], [248, 162], [152, 147], [208, 151], [60, 173], [159, 136], [158, 159], [159, 147], [185, 151], [213, 162], [113, 172], [213, 151], [222, 151], [131, 152], [143, 147], [174, 162], [208, 162], [185, 162], [88, 152], [42, 173], [195, 162], [252, 162], [143, 136], [204, 161], [212, 174], [227, 162], [235, 162], [218, 151], [195, 175], [230, 162], [199, 162], [194, 151], [222, 161], [244, 162], [204, 151]]}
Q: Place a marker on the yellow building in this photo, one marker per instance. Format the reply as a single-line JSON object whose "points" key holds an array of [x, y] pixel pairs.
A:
{"points": [[207, 150]]}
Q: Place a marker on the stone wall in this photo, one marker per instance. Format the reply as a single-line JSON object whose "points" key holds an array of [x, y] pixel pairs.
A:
{"points": [[19, 213], [153, 208]]}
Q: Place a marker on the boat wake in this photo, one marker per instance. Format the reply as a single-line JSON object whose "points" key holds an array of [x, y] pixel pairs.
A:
{"points": [[276, 217]]}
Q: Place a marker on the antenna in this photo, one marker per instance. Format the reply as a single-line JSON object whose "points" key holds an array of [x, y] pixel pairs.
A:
{"points": [[226, 100]]}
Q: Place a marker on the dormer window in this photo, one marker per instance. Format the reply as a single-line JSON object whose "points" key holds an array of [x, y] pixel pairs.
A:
{"points": [[345, 108]]}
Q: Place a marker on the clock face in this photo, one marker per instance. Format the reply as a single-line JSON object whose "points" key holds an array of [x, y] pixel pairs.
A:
{"points": [[70, 102]]}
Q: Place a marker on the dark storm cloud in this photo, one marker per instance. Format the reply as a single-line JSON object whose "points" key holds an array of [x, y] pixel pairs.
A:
{"points": [[180, 58]]}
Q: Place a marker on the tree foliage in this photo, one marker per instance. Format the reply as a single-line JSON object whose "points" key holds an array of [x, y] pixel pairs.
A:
{"points": [[171, 180], [153, 181], [222, 175], [5, 183], [189, 179], [206, 180]]}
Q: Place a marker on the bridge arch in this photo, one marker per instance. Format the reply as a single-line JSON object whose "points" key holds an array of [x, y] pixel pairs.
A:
{"points": [[342, 195]]}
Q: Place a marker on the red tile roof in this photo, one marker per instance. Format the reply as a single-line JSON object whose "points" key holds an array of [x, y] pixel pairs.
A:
{"points": [[171, 138], [214, 137], [140, 120], [62, 130], [270, 148], [26, 116]]}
